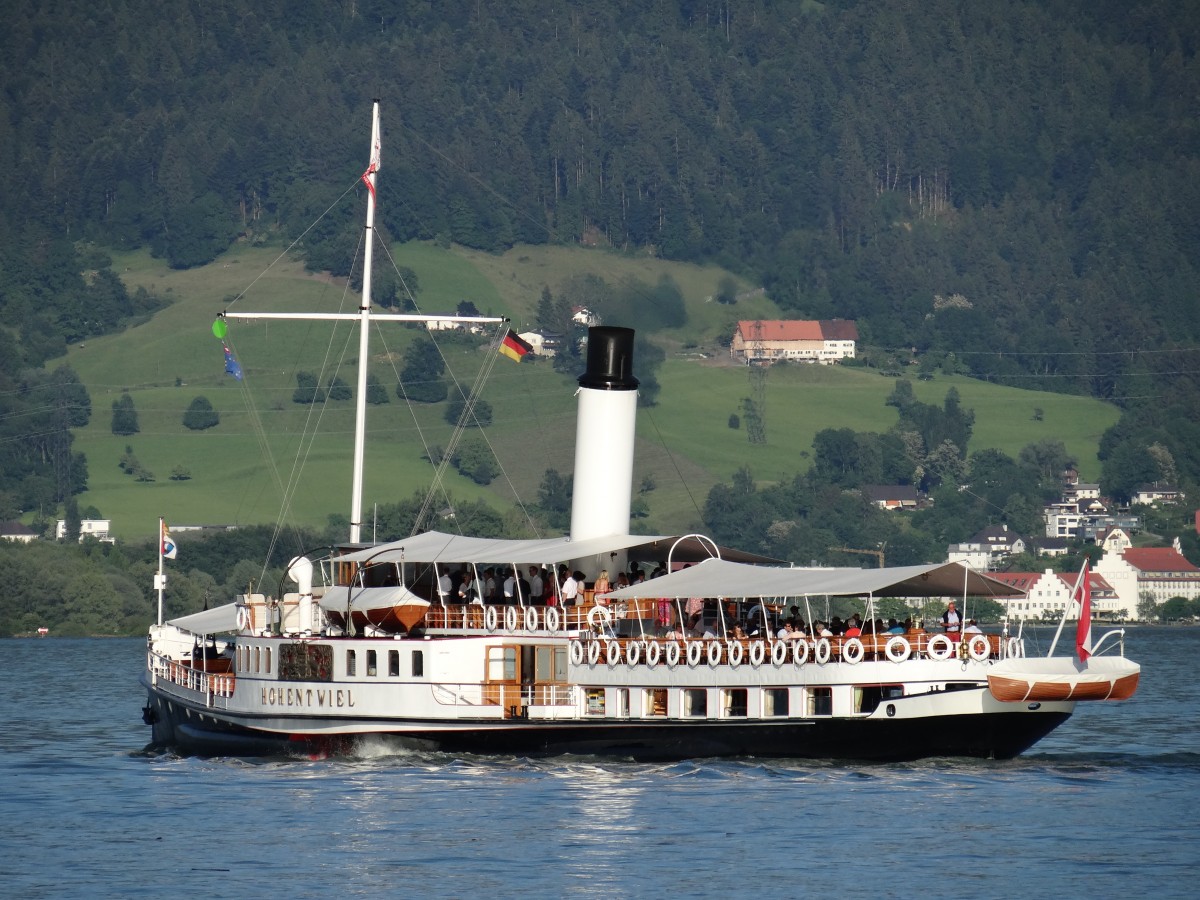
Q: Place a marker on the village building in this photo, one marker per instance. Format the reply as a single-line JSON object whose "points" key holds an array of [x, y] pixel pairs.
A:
{"points": [[987, 549], [93, 528], [1048, 593], [760, 341], [544, 343], [891, 496], [1156, 493], [1158, 573], [17, 532]]}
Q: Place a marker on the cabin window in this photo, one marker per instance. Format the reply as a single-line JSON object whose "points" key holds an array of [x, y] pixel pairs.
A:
{"points": [[418, 664], [394, 663], [695, 702], [257, 657], [550, 664], [267, 659], [595, 701], [372, 664], [734, 703], [241, 659], [655, 702], [775, 701], [621, 702], [502, 664], [867, 698], [350, 663], [820, 701]]}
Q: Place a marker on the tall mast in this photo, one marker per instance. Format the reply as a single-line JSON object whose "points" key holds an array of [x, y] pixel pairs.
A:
{"points": [[364, 334]]}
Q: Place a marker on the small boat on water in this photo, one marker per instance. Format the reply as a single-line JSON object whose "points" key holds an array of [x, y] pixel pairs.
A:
{"points": [[375, 641]]}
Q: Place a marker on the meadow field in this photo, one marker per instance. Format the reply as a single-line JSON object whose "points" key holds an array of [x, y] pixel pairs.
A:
{"points": [[262, 464]]}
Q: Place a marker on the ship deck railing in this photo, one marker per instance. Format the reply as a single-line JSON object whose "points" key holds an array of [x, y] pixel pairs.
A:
{"points": [[215, 687]]}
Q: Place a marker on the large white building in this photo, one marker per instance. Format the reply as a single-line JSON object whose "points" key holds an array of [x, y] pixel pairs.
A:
{"points": [[801, 340], [1047, 594], [1160, 572]]}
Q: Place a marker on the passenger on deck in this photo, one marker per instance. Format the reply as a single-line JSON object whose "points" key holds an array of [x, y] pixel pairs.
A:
{"points": [[537, 587], [820, 629], [950, 619], [738, 634], [601, 588], [445, 586], [895, 627], [510, 587], [489, 585], [570, 587], [972, 628]]}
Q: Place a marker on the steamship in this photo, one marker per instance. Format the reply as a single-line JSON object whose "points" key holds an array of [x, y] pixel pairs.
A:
{"points": [[373, 646]]}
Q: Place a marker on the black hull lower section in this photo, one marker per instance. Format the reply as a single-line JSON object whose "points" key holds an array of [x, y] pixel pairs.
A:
{"points": [[981, 735]]}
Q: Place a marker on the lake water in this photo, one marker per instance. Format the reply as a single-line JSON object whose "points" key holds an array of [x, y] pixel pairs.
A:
{"points": [[1105, 806]]}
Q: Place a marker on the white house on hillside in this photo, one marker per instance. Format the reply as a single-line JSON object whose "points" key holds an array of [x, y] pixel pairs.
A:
{"points": [[94, 528], [773, 340]]}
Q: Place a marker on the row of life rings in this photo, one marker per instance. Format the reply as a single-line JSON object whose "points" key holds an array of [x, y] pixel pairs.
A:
{"points": [[530, 620], [897, 650]]}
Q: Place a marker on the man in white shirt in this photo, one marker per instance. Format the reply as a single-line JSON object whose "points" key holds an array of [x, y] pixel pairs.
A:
{"points": [[536, 586], [570, 590]]}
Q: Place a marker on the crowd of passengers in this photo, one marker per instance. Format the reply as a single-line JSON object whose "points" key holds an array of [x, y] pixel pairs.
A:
{"points": [[535, 585]]}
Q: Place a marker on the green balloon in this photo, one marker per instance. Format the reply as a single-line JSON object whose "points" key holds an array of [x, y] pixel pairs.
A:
{"points": [[220, 329]]}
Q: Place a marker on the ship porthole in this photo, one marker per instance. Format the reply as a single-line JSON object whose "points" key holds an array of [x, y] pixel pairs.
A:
{"points": [[1034, 706], [891, 710]]}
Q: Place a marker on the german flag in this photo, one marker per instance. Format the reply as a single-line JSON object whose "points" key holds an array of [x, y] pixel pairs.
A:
{"points": [[514, 347]]}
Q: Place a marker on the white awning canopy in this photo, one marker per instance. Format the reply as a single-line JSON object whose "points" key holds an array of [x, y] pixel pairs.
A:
{"points": [[439, 547], [721, 578], [210, 621]]}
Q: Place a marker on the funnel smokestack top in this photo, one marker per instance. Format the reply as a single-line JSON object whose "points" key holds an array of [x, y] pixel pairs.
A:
{"points": [[609, 359]]}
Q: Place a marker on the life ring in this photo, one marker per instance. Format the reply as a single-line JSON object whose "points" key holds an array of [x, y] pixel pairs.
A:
{"points": [[778, 653], [758, 652], [940, 647], [489, 618], [714, 653], [510, 618], [822, 651], [734, 651], [853, 651], [552, 620], [653, 653], [799, 652], [593, 652], [577, 652], [633, 653], [672, 654], [531, 618], [599, 617], [694, 652], [614, 653], [979, 648], [243, 618], [898, 649]]}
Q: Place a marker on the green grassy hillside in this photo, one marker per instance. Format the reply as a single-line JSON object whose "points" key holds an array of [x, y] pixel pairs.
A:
{"points": [[242, 469]]}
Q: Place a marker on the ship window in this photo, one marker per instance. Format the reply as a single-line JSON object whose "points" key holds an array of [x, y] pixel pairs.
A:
{"points": [[256, 660], [695, 702], [550, 664], [350, 663], [502, 664], [621, 702], [820, 701], [418, 664], [867, 698], [655, 702], [394, 663], [775, 701], [372, 663], [267, 660], [735, 702], [595, 701]]}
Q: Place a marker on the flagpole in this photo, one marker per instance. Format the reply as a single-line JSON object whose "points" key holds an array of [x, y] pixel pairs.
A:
{"points": [[1067, 608], [159, 580]]}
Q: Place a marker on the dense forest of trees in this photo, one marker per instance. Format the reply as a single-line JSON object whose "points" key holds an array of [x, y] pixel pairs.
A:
{"points": [[1008, 189]]}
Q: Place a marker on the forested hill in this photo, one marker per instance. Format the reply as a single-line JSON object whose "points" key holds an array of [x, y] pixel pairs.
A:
{"points": [[1015, 184]]}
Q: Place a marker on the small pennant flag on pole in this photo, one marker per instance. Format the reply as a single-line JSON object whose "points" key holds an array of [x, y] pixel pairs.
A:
{"points": [[231, 364], [168, 547], [514, 347]]}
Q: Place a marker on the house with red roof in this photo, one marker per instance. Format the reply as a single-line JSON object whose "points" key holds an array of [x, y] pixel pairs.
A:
{"points": [[1156, 573], [1048, 593], [823, 341]]}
